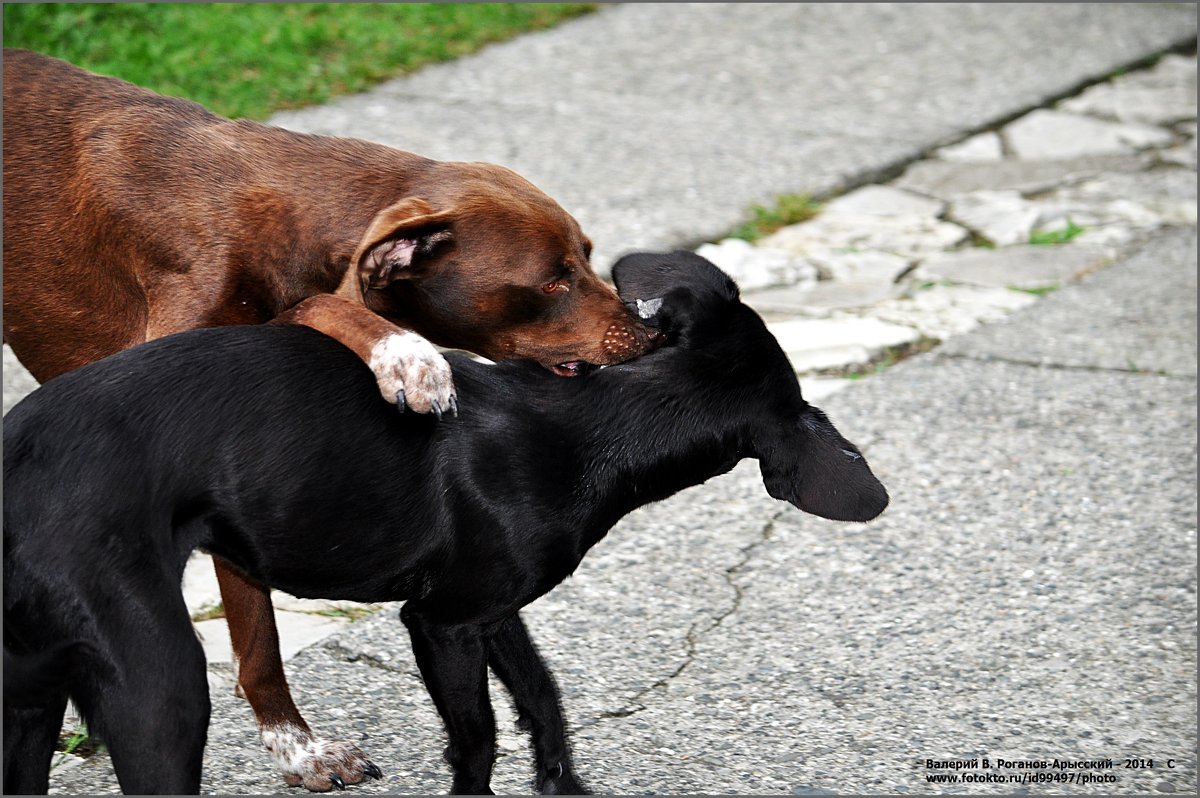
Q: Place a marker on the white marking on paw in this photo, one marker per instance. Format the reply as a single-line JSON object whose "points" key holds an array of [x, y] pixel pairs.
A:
{"points": [[305, 759], [406, 362]]}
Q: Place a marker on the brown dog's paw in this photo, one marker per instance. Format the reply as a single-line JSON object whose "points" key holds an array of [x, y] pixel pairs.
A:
{"points": [[411, 373], [315, 763]]}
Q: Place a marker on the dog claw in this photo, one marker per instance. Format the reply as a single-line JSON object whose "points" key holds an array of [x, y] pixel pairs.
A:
{"points": [[372, 770], [400, 400], [454, 406], [437, 409], [337, 782]]}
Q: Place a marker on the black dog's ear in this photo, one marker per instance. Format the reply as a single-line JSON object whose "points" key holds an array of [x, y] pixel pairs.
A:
{"points": [[668, 291], [646, 275], [821, 472]]}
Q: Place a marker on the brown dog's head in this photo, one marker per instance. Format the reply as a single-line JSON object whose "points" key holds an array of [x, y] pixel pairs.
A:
{"points": [[480, 259]]}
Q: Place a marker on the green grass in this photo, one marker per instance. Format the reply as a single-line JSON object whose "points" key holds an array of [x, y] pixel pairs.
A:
{"points": [[889, 357], [349, 613], [213, 611], [1049, 238], [209, 612], [788, 209], [78, 742], [1041, 290], [927, 284], [250, 59]]}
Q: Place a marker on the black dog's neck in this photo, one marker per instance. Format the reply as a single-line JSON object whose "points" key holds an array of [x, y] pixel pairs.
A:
{"points": [[657, 428]]}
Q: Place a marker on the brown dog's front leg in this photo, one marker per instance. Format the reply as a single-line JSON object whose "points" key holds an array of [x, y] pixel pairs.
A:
{"points": [[409, 370], [302, 757]]}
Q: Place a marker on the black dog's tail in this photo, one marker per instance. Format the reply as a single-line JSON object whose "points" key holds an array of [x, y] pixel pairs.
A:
{"points": [[41, 678]]}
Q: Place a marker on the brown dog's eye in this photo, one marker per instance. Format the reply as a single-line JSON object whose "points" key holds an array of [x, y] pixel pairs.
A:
{"points": [[556, 287]]}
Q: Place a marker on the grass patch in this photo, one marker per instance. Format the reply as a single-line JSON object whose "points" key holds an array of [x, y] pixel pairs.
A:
{"points": [[351, 614], [78, 742], [1041, 290], [788, 209], [977, 240], [1136, 369], [1049, 238], [928, 284], [884, 360], [209, 612], [251, 59]]}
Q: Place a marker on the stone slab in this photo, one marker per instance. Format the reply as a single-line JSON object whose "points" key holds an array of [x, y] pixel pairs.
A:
{"points": [[868, 266], [1048, 134], [1181, 155], [1163, 94], [200, 588], [1137, 315], [881, 200], [818, 389], [297, 631], [906, 236], [814, 344], [754, 267], [941, 311], [1002, 217], [18, 382], [1139, 200], [1026, 266], [290, 603], [202, 592], [948, 179], [984, 147], [823, 298]]}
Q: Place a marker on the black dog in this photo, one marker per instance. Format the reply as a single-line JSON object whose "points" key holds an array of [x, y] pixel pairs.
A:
{"points": [[231, 440]]}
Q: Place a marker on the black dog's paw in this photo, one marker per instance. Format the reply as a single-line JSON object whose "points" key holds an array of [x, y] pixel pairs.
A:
{"points": [[561, 781]]}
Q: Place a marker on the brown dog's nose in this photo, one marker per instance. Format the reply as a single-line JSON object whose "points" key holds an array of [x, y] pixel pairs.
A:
{"points": [[627, 339]]}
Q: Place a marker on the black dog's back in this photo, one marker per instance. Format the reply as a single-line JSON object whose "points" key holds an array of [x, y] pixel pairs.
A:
{"points": [[274, 414]]}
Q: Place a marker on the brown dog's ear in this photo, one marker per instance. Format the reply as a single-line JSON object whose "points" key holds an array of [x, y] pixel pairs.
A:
{"points": [[395, 239]]}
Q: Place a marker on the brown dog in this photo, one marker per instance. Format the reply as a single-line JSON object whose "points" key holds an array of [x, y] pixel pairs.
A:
{"points": [[129, 216]]}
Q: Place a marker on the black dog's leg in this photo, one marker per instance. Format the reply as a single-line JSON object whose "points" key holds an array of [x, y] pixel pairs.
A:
{"points": [[453, 663], [29, 737], [515, 659], [154, 717]]}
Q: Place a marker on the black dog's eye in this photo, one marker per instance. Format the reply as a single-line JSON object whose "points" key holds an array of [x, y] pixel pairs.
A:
{"points": [[559, 286]]}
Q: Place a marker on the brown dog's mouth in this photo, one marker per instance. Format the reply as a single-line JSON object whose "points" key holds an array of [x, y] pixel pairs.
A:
{"points": [[572, 368]]}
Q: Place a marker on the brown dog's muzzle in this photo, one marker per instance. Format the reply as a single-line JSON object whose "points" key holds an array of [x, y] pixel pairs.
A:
{"points": [[623, 339], [627, 339]]}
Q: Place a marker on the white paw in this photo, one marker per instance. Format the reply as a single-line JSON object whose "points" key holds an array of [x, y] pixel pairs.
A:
{"points": [[411, 373], [319, 764]]}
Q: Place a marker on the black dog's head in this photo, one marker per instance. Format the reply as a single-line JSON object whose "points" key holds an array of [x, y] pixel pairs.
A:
{"points": [[803, 458]]}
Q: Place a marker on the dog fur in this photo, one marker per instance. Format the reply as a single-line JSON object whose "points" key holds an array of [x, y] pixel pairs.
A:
{"points": [[216, 439], [129, 216]]}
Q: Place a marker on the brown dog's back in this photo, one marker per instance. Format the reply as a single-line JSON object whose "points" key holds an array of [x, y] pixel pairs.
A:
{"points": [[128, 215]]}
